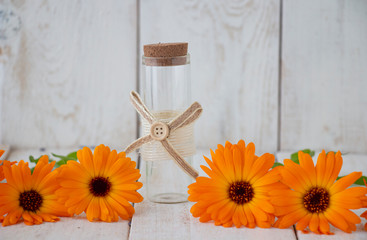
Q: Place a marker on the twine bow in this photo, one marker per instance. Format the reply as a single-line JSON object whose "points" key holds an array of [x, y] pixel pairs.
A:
{"points": [[160, 131]]}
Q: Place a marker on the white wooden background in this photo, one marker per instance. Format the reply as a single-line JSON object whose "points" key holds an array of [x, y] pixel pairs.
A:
{"points": [[285, 74]]}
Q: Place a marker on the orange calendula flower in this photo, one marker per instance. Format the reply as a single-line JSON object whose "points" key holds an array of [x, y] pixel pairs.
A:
{"points": [[30, 196], [314, 198], [102, 184], [236, 190], [364, 201]]}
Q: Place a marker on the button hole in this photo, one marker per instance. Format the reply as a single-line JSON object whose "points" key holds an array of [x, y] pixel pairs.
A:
{"points": [[156, 128], [161, 128], [161, 132]]}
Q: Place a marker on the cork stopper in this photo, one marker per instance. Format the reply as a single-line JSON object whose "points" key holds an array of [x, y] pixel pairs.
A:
{"points": [[165, 54]]}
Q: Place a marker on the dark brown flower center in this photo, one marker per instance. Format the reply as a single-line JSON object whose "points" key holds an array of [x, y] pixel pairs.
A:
{"points": [[316, 200], [100, 186], [241, 192], [30, 200]]}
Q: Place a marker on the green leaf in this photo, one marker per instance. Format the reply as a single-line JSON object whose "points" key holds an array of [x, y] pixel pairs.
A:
{"points": [[294, 156], [59, 163], [276, 164], [34, 160], [59, 156], [359, 180], [73, 156], [63, 159], [70, 156]]}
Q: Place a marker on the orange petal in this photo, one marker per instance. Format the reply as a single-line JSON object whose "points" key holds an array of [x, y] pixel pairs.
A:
{"points": [[344, 182], [348, 215], [320, 167], [238, 164], [261, 166], [353, 192], [269, 178], [259, 214], [292, 180], [249, 159], [301, 174], [205, 218], [330, 162], [236, 217], [93, 210], [304, 222], [337, 166], [85, 157], [242, 216], [227, 211], [228, 157], [324, 224], [292, 218], [14, 217], [250, 217], [314, 223], [306, 163], [336, 220]]}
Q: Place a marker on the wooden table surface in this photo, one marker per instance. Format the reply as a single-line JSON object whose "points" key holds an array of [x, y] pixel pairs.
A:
{"points": [[165, 221]]}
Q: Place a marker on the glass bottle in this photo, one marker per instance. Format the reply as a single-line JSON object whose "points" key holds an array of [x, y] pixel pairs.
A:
{"points": [[166, 91]]}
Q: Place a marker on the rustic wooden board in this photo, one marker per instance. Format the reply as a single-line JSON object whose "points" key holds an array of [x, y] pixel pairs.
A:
{"points": [[323, 74], [77, 227], [69, 73], [234, 46], [351, 163], [174, 221]]}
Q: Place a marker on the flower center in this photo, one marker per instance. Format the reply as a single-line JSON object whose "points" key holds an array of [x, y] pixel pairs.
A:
{"points": [[100, 186], [30, 200], [316, 200], [241, 192]]}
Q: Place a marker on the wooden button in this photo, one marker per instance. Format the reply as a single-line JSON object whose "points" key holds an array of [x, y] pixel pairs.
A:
{"points": [[159, 131]]}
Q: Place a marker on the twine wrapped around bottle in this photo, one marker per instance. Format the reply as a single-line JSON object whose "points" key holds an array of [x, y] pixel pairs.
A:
{"points": [[167, 138]]}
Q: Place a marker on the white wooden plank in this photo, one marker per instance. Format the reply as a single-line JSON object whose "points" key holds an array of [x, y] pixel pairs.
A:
{"points": [[174, 221], [77, 227], [234, 56], [324, 59], [351, 163], [209, 231], [69, 74]]}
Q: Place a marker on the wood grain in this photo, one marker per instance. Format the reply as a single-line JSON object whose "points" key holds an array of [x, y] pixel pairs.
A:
{"points": [[234, 62], [69, 74], [76, 228], [324, 59]]}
